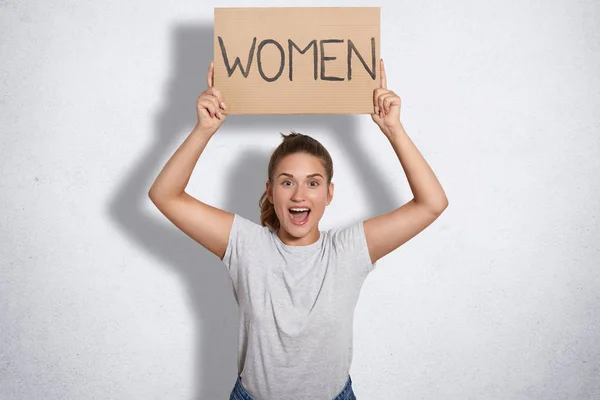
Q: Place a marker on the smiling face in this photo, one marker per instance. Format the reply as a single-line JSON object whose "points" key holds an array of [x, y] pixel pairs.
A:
{"points": [[299, 182]]}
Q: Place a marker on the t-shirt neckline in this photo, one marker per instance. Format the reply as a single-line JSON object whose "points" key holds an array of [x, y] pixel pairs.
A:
{"points": [[299, 249]]}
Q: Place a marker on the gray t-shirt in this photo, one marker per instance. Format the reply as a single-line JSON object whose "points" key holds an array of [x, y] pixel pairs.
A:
{"points": [[296, 309]]}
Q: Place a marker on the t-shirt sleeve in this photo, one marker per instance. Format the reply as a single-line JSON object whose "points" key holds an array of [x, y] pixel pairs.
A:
{"points": [[352, 241], [244, 239]]}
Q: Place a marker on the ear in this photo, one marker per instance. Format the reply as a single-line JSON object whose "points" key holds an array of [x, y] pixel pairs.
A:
{"points": [[330, 193], [268, 189]]}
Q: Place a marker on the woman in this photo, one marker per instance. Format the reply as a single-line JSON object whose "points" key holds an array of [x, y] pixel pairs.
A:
{"points": [[296, 286]]}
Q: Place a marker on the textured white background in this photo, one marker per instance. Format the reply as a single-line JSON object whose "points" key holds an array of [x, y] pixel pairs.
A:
{"points": [[102, 298]]}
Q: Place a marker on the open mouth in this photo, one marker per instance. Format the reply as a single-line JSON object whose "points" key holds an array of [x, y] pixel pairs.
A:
{"points": [[299, 215]]}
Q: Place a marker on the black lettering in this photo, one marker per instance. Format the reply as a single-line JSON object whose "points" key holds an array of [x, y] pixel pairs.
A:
{"points": [[323, 59], [258, 59], [351, 48], [315, 56], [237, 62]]}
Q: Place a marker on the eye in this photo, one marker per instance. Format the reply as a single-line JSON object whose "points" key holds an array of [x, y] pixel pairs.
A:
{"points": [[317, 183], [284, 183]]}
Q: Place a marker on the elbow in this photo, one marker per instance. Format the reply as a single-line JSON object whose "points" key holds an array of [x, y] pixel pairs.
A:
{"points": [[440, 203], [442, 206], [437, 207], [152, 194], [154, 197], [160, 198]]}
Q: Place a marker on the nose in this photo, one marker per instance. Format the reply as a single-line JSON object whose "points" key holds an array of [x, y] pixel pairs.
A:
{"points": [[298, 194]]}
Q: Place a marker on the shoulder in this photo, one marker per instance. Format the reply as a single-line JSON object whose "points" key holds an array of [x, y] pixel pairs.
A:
{"points": [[245, 237], [350, 240], [346, 236], [246, 229]]}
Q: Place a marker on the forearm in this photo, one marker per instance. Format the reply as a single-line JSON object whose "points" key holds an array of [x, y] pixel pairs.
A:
{"points": [[175, 175], [424, 184]]}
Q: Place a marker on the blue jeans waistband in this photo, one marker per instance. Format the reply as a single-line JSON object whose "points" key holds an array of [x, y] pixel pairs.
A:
{"points": [[239, 393]]}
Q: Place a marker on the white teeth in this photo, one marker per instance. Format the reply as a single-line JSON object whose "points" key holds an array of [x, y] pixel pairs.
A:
{"points": [[299, 209]]}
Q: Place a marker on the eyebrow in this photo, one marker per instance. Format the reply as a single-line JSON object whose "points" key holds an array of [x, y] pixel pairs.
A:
{"points": [[308, 176]]}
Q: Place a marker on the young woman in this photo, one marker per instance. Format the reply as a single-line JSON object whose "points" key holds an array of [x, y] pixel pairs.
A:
{"points": [[296, 286]]}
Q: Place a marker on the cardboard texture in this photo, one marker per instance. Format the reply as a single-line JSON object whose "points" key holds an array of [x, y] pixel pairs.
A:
{"points": [[297, 60]]}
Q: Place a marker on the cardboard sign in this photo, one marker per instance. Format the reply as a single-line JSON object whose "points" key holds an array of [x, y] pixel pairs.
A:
{"points": [[297, 60]]}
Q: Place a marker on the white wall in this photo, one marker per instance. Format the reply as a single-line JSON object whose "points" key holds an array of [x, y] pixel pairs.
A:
{"points": [[102, 298]]}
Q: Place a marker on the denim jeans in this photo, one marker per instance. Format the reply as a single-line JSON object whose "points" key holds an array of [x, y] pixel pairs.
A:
{"points": [[239, 393]]}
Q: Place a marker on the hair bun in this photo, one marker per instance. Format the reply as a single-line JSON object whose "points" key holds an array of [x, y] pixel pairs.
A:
{"points": [[291, 135]]}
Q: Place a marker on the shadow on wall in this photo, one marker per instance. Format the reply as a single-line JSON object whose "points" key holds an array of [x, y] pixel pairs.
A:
{"points": [[209, 288]]}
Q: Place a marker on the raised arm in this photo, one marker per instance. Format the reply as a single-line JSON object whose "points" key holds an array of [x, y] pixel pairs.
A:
{"points": [[208, 225], [387, 232]]}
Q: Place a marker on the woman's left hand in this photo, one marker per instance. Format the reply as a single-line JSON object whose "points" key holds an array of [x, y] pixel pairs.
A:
{"points": [[387, 106]]}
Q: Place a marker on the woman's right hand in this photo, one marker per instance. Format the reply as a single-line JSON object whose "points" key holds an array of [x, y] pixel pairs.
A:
{"points": [[210, 105]]}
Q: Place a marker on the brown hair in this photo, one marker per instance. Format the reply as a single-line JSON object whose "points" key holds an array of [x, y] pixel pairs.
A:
{"points": [[291, 144]]}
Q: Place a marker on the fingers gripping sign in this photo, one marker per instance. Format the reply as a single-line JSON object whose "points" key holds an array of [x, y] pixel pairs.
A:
{"points": [[210, 105], [386, 104]]}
